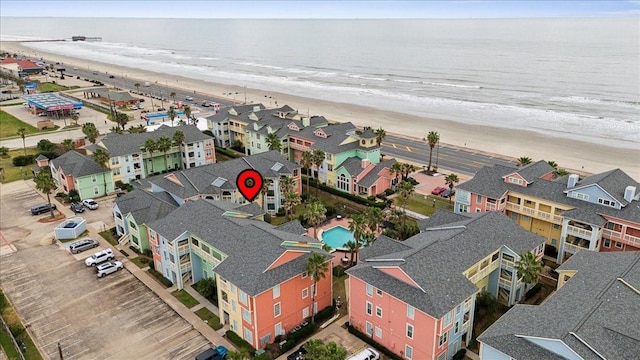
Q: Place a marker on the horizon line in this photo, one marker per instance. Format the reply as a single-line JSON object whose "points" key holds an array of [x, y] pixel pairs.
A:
{"points": [[334, 18]]}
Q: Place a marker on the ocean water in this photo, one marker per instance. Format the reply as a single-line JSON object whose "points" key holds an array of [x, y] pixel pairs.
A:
{"points": [[570, 78]]}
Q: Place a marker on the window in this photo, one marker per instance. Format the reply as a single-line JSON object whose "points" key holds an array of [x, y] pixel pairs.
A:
{"points": [[447, 319], [276, 291], [194, 242], [410, 311], [379, 292], [554, 242], [95, 190], [607, 243], [479, 199], [278, 329], [233, 302], [410, 331], [276, 310], [456, 327], [305, 293], [305, 312], [243, 297], [225, 297], [581, 196], [443, 339], [248, 336], [369, 329], [343, 183], [246, 315], [115, 161], [369, 290], [378, 332], [265, 339], [378, 312], [304, 274], [329, 167], [458, 309], [463, 208], [495, 257], [408, 352], [515, 181], [369, 308], [618, 245], [556, 226], [116, 171], [442, 356]]}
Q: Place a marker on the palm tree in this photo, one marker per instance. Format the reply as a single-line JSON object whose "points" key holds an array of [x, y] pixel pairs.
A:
{"points": [[433, 137], [315, 213], [450, 180], [291, 200], [553, 164], [405, 190], [173, 96], [528, 268], [172, 114], [317, 267], [22, 132], [68, 144], [46, 184], [75, 118], [102, 157], [187, 111], [122, 119], [380, 135], [273, 142], [396, 169], [318, 159], [137, 85], [406, 170], [287, 184], [265, 191], [241, 354], [358, 226], [524, 160], [374, 218], [560, 172], [150, 146], [352, 247], [116, 129], [164, 144], [178, 138], [307, 162], [90, 131]]}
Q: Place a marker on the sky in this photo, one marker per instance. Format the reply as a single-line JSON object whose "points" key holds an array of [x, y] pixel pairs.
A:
{"points": [[318, 9]]}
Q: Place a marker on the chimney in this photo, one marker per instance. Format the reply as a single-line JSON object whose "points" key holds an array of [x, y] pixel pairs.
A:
{"points": [[629, 193], [364, 163], [573, 180], [256, 108], [305, 121]]}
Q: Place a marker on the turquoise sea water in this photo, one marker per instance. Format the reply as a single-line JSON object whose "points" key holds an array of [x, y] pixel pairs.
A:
{"points": [[337, 236]]}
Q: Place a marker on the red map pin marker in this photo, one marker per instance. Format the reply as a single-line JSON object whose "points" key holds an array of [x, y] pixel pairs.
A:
{"points": [[249, 183]]}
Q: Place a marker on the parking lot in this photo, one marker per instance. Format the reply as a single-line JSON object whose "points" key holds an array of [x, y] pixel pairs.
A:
{"points": [[61, 300]]}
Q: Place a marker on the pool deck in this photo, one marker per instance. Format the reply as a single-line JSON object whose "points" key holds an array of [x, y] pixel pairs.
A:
{"points": [[341, 255]]}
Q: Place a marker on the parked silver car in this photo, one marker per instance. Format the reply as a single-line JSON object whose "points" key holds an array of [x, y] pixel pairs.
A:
{"points": [[82, 245], [100, 256], [108, 268]]}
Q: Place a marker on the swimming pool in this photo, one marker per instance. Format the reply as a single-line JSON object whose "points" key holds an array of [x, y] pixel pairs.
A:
{"points": [[337, 236]]}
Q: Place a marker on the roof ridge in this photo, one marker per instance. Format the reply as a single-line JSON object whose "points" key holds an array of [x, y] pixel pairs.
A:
{"points": [[189, 180]]}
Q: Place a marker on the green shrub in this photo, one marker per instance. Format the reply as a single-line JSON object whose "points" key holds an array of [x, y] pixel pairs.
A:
{"points": [[389, 192], [147, 252], [23, 160], [263, 356], [60, 194], [354, 198], [290, 344], [325, 313], [206, 287], [370, 341], [166, 282], [267, 218], [301, 334], [331, 211], [227, 153], [281, 211], [124, 253], [459, 355], [74, 195], [338, 271], [238, 341]]}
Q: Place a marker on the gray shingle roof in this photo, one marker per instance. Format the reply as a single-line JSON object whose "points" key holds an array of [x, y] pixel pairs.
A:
{"points": [[114, 95], [126, 144], [594, 304], [489, 182], [535, 170], [251, 245], [352, 165], [146, 207], [441, 217], [77, 165], [613, 182], [373, 176], [294, 227], [41, 157], [201, 180], [439, 256]]}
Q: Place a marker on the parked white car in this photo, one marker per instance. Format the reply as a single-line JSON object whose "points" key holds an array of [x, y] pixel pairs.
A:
{"points": [[90, 204], [100, 256], [108, 268], [133, 107]]}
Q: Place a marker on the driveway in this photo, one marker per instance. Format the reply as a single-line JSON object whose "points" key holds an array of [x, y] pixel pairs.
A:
{"points": [[60, 300]]}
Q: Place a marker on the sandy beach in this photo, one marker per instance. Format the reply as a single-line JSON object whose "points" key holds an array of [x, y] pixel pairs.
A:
{"points": [[569, 154]]}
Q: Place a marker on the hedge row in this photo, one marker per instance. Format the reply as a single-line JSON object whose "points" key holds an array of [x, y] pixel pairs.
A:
{"points": [[357, 199], [239, 342], [162, 279], [229, 153], [370, 341]]}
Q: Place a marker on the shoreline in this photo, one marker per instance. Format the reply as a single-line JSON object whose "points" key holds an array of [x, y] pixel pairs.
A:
{"points": [[579, 155]]}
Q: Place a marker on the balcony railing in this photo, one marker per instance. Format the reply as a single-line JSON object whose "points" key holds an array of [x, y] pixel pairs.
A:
{"points": [[578, 231], [528, 211], [508, 263], [484, 272], [505, 282], [634, 240], [573, 248], [185, 267], [512, 206], [491, 207], [467, 304], [183, 248], [613, 235]]}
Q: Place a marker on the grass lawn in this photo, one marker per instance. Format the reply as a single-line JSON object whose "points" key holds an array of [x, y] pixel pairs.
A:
{"points": [[212, 319], [12, 173], [422, 205], [51, 87], [11, 318], [340, 291], [139, 261], [7, 345], [108, 235], [185, 298], [11, 124], [343, 206]]}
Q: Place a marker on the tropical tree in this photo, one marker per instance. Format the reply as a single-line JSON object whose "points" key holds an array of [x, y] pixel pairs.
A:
{"points": [[46, 184], [164, 144], [352, 247], [407, 169], [316, 267], [102, 157], [22, 132], [68, 144], [358, 226], [380, 135], [4, 151], [273, 142], [116, 129], [137, 85], [553, 164], [432, 138], [172, 114], [150, 146], [315, 213], [374, 218], [405, 190], [187, 111], [317, 350], [291, 200], [450, 180], [524, 160], [121, 119], [287, 184], [173, 96], [178, 138], [396, 170], [560, 172], [318, 159], [75, 118], [90, 131], [241, 354], [528, 268], [137, 129]]}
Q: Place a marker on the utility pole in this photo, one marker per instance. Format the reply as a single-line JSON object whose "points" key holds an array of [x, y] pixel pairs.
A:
{"points": [[245, 94], [60, 351], [437, 154]]}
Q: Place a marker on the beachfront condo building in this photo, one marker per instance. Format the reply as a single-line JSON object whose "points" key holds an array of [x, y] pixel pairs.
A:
{"points": [[600, 212], [594, 314], [259, 269], [417, 297], [130, 160], [352, 157], [75, 171]]}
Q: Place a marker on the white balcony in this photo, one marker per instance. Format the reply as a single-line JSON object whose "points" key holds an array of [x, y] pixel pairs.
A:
{"points": [[484, 272], [633, 240], [528, 211], [573, 248], [508, 263], [513, 207], [579, 232], [183, 249], [185, 267]]}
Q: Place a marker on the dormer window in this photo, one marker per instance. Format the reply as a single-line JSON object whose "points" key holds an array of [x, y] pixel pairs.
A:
{"points": [[580, 196], [514, 180], [293, 126], [606, 202], [320, 133]]}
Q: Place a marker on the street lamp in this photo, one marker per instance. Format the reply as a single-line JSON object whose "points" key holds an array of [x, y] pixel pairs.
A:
{"points": [[437, 155]]}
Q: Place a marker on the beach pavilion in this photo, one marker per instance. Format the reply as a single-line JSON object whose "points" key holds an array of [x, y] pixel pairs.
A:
{"points": [[53, 104]]}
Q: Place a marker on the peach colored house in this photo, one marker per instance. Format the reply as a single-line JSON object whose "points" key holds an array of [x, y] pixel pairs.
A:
{"points": [[263, 289], [417, 297]]}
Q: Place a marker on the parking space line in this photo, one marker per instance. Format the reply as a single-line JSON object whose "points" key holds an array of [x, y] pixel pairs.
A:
{"points": [[394, 146], [184, 342], [76, 354], [160, 317], [186, 328], [54, 331], [54, 342], [408, 148]]}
